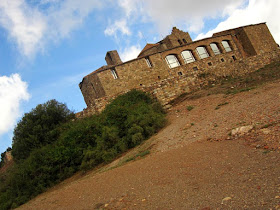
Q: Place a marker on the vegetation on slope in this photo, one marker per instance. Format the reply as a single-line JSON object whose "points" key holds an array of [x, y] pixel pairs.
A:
{"points": [[50, 148]]}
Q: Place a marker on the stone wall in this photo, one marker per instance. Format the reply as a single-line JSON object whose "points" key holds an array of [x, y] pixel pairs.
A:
{"points": [[92, 88], [261, 38], [251, 47], [176, 38], [168, 89], [252, 39], [137, 73]]}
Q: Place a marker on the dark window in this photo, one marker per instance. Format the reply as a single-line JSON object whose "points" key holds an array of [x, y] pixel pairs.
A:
{"points": [[234, 58], [114, 73], [148, 61], [195, 68], [184, 41], [93, 88], [180, 73], [209, 64], [223, 60], [180, 42], [158, 77]]}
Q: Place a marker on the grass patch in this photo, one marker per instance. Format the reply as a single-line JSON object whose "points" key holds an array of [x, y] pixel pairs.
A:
{"points": [[266, 152], [139, 155], [267, 125], [235, 91], [270, 124], [189, 108], [219, 105]]}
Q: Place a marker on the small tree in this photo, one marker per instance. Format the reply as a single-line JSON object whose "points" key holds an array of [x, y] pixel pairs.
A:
{"points": [[39, 127]]}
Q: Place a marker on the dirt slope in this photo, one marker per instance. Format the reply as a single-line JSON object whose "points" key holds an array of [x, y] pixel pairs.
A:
{"points": [[194, 162]]}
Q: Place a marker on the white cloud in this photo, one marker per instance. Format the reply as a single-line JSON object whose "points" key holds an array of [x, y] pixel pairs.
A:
{"points": [[257, 11], [32, 26], [128, 6], [191, 15], [67, 15], [119, 25], [12, 92], [130, 53], [24, 24], [165, 14], [140, 35]]}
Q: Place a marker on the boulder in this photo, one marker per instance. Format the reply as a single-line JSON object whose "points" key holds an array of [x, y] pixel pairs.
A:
{"points": [[241, 130]]}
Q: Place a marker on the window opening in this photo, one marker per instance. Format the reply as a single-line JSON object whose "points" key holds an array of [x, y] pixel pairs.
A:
{"points": [[187, 56], [234, 58], [93, 88], [223, 60], [215, 48], [209, 64], [148, 61], [180, 42], [114, 73], [226, 46], [202, 52], [158, 77], [184, 41], [172, 61], [180, 73], [195, 68]]}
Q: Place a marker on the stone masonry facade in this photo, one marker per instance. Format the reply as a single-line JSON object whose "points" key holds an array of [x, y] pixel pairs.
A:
{"points": [[177, 65]]}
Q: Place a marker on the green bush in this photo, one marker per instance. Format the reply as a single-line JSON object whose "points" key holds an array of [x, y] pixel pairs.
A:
{"points": [[74, 145], [38, 128]]}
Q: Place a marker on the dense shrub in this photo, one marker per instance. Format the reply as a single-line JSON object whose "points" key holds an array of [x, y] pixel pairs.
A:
{"points": [[37, 128], [80, 144]]}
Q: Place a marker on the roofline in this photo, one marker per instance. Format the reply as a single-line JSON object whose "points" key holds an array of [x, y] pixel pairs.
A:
{"points": [[238, 28], [141, 57], [105, 68]]}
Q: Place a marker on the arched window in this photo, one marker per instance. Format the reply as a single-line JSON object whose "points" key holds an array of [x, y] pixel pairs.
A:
{"points": [[226, 45], [202, 52], [215, 48], [187, 56], [172, 61]]}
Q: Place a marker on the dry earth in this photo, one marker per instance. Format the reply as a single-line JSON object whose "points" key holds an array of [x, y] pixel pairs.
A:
{"points": [[194, 163]]}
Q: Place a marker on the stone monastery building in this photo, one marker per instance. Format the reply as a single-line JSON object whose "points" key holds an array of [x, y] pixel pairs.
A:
{"points": [[177, 64]]}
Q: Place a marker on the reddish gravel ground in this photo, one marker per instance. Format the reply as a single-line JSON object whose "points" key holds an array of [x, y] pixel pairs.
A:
{"points": [[194, 162]]}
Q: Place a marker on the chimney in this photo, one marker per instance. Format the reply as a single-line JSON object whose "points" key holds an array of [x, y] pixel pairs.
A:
{"points": [[113, 58]]}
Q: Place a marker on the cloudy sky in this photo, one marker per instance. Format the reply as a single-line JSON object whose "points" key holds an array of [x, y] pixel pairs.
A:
{"points": [[47, 46]]}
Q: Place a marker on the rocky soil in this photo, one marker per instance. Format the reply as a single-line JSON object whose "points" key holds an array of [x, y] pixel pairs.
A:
{"points": [[217, 152]]}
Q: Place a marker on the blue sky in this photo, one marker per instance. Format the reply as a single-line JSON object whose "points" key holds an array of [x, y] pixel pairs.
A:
{"points": [[47, 46]]}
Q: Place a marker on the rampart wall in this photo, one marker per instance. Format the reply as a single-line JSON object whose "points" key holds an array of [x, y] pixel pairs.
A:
{"points": [[184, 67], [168, 89]]}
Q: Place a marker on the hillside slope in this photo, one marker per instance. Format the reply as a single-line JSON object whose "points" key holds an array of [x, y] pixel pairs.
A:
{"points": [[194, 163]]}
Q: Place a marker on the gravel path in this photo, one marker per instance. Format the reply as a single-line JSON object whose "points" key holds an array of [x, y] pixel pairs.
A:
{"points": [[194, 163]]}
